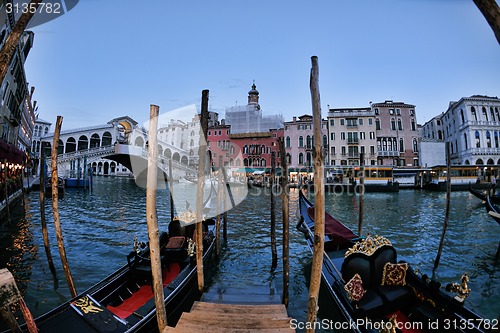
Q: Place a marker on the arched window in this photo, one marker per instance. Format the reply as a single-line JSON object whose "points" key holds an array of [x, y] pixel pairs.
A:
{"points": [[415, 146], [400, 124], [492, 113], [301, 141], [83, 143], [488, 139], [60, 147], [495, 134], [465, 140], [106, 139], [413, 125], [308, 142], [139, 141], [95, 140], [401, 145], [473, 113], [309, 159], [485, 114], [478, 140], [238, 162], [288, 158], [287, 142], [377, 124], [70, 145], [393, 124], [325, 141], [301, 158], [462, 116]]}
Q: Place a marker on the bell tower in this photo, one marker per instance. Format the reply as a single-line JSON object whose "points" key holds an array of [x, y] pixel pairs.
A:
{"points": [[253, 96]]}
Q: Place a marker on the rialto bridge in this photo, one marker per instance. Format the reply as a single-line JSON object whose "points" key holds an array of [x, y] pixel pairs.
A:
{"points": [[118, 147]]}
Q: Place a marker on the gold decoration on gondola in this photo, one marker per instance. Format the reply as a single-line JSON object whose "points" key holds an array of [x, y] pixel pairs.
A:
{"points": [[191, 247], [461, 289], [368, 245], [87, 305]]}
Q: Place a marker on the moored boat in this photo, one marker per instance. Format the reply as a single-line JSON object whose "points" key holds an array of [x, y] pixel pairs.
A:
{"points": [[371, 290], [484, 194], [492, 209], [124, 301]]}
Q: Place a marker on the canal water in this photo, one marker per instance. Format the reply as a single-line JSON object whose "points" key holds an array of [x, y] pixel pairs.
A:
{"points": [[99, 229]]}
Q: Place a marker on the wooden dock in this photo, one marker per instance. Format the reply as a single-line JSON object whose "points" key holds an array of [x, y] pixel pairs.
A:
{"points": [[238, 318], [235, 310]]}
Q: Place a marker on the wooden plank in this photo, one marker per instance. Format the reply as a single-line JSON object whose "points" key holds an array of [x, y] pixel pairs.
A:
{"points": [[234, 316], [197, 329], [215, 322], [238, 308]]}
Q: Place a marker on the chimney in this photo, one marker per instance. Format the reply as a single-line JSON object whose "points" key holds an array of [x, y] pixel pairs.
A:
{"points": [[294, 119]]}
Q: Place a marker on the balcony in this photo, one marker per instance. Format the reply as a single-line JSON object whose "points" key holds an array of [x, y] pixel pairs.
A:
{"points": [[388, 153], [353, 155], [352, 141]]}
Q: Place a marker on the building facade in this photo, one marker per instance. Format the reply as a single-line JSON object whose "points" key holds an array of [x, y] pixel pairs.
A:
{"points": [[351, 131], [397, 134], [16, 112], [472, 128], [299, 142]]}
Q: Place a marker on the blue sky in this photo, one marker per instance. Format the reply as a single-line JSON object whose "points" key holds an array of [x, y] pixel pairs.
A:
{"points": [[105, 59]]}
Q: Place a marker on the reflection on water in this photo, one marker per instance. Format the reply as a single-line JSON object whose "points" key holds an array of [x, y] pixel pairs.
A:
{"points": [[99, 229]]}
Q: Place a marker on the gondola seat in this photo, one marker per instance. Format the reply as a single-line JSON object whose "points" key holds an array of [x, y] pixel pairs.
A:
{"points": [[378, 300]]}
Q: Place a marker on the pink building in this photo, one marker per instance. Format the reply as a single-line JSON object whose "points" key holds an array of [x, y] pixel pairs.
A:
{"points": [[397, 133]]}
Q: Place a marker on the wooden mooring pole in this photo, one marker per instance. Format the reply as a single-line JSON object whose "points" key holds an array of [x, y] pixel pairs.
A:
{"points": [[448, 197], [319, 199], [361, 190], [10, 295], [220, 191], [45, 232], [171, 190], [286, 224], [6, 189], [55, 209], [152, 218], [274, 253], [199, 194]]}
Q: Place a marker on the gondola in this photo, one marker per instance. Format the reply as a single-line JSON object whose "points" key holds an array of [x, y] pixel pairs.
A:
{"points": [[492, 209], [370, 290], [483, 194], [124, 301]]}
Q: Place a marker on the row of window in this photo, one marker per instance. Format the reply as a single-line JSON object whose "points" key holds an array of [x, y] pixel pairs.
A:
{"points": [[397, 111], [217, 132]]}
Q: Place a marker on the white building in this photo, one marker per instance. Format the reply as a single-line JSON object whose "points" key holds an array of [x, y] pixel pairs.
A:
{"points": [[472, 127]]}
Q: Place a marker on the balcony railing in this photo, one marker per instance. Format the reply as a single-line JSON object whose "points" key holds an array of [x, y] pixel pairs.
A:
{"points": [[352, 140], [388, 153]]}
